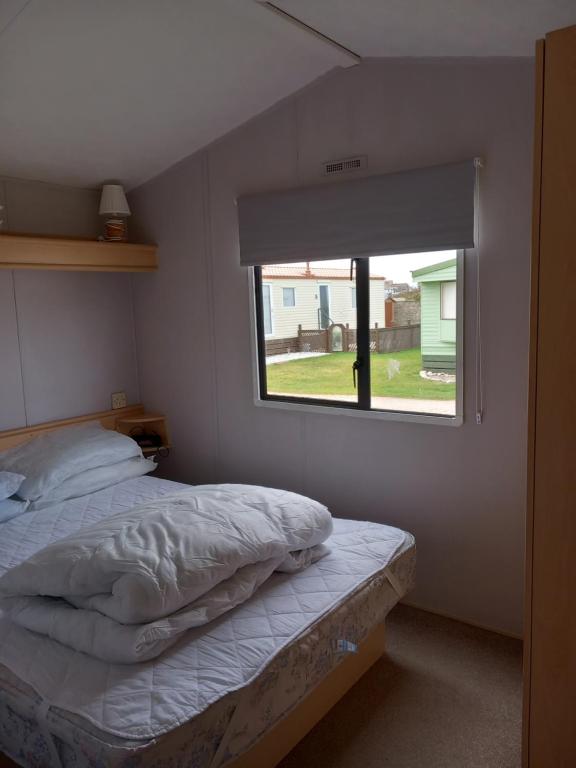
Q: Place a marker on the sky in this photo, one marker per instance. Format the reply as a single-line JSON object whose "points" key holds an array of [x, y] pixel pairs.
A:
{"points": [[398, 268]]}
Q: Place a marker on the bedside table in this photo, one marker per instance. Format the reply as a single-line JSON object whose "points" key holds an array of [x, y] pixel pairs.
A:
{"points": [[150, 432]]}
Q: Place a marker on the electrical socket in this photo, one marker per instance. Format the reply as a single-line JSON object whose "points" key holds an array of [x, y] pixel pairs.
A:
{"points": [[119, 400]]}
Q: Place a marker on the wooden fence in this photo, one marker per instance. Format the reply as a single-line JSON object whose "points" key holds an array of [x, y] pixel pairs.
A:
{"points": [[342, 338]]}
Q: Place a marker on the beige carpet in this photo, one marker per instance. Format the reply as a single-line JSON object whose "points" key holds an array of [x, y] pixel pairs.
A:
{"points": [[447, 696]]}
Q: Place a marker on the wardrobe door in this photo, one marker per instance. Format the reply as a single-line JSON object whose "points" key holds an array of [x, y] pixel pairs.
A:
{"points": [[550, 736]]}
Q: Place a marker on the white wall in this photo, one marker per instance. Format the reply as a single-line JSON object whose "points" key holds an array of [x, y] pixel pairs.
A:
{"points": [[460, 490], [66, 338], [285, 320]]}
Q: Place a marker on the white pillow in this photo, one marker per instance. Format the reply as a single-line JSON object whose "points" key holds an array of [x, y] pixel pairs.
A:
{"points": [[9, 484], [97, 479], [10, 508], [52, 457]]}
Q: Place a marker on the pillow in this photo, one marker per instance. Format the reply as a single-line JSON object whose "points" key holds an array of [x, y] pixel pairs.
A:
{"points": [[9, 484], [52, 457], [96, 480], [10, 508]]}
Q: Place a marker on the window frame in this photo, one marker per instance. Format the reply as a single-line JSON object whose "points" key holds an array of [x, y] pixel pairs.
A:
{"points": [[443, 285], [261, 393], [289, 288], [268, 335], [346, 408], [323, 284]]}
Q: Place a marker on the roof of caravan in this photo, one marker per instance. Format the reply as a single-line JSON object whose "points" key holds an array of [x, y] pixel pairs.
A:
{"points": [[279, 272]]}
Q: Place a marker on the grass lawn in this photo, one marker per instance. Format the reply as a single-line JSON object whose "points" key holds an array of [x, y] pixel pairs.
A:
{"points": [[395, 374]]}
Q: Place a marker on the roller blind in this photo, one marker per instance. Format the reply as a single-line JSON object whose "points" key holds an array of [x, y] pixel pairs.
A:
{"points": [[428, 209]]}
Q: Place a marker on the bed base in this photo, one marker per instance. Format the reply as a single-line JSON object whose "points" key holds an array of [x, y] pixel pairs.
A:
{"points": [[285, 734], [283, 737]]}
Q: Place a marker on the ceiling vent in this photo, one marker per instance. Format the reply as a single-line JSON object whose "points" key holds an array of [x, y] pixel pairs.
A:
{"points": [[346, 165]]}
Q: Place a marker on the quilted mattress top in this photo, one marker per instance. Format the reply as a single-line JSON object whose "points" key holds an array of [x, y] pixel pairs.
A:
{"points": [[141, 701]]}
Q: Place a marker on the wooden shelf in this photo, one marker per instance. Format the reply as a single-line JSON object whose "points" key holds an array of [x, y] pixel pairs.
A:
{"points": [[72, 254], [153, 423], [142, 419], [156, 449]]}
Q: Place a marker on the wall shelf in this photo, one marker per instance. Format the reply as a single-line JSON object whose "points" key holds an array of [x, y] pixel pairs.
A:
{"points": [[141, 425], [72, 254]]}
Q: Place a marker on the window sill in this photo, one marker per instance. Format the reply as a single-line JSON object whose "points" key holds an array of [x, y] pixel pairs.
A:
{"points": [[414, 418]]}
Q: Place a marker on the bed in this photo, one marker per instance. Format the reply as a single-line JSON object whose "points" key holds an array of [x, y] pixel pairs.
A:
{"points": [[240, 691]]}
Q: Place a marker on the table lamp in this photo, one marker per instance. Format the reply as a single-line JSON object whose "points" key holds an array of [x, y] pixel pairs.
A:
{"points": [[114, 205]]}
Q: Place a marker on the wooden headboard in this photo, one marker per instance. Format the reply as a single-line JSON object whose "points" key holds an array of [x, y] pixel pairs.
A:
{"points": [[13, 437]]}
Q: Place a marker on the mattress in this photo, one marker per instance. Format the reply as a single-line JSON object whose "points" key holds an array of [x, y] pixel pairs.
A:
{"points": [[223, 685]]}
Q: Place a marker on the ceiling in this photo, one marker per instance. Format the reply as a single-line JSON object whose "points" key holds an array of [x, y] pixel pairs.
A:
{"points": [[95, 90], [122, 89], [435, 27]]}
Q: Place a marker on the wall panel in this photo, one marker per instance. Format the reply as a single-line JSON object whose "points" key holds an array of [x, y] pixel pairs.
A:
{"points": [[71, 333], [260, 155], [459, 490], [174, 318], [12, 414], [77, 342]]}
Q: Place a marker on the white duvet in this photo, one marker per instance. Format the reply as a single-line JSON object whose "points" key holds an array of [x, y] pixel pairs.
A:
{"points": [[124, 589]]}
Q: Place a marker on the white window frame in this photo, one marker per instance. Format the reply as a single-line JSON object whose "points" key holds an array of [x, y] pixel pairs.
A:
{"points": [[443, 286], [289, 288], [353, 296], [402, 416], [271, 286]]}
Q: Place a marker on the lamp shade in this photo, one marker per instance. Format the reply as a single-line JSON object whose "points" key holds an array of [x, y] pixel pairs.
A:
{"points": [[113, 201]]}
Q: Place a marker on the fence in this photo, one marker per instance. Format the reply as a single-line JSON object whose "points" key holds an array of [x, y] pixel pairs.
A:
{"points": [[396, 339], [401, 312], [342, 338]]}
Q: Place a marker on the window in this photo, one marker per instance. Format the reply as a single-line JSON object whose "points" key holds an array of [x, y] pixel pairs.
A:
{"points": [[403, 356], [288, 297], [267, 309], [448, 300], [324, 306], [342, 348]]}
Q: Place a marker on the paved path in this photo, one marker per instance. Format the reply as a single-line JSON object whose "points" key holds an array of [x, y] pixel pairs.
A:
{"points": [[410, 405], [271, 359]]}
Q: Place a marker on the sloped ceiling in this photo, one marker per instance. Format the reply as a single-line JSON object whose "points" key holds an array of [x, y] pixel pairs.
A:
{"points": [[93, 91], [436, 27]]}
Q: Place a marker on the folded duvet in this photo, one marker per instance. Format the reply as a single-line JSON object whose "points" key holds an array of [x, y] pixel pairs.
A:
{"points": [[125, 589]]}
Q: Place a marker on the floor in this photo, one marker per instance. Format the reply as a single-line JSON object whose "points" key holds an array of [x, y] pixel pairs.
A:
{"points": [[447, 696]]}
